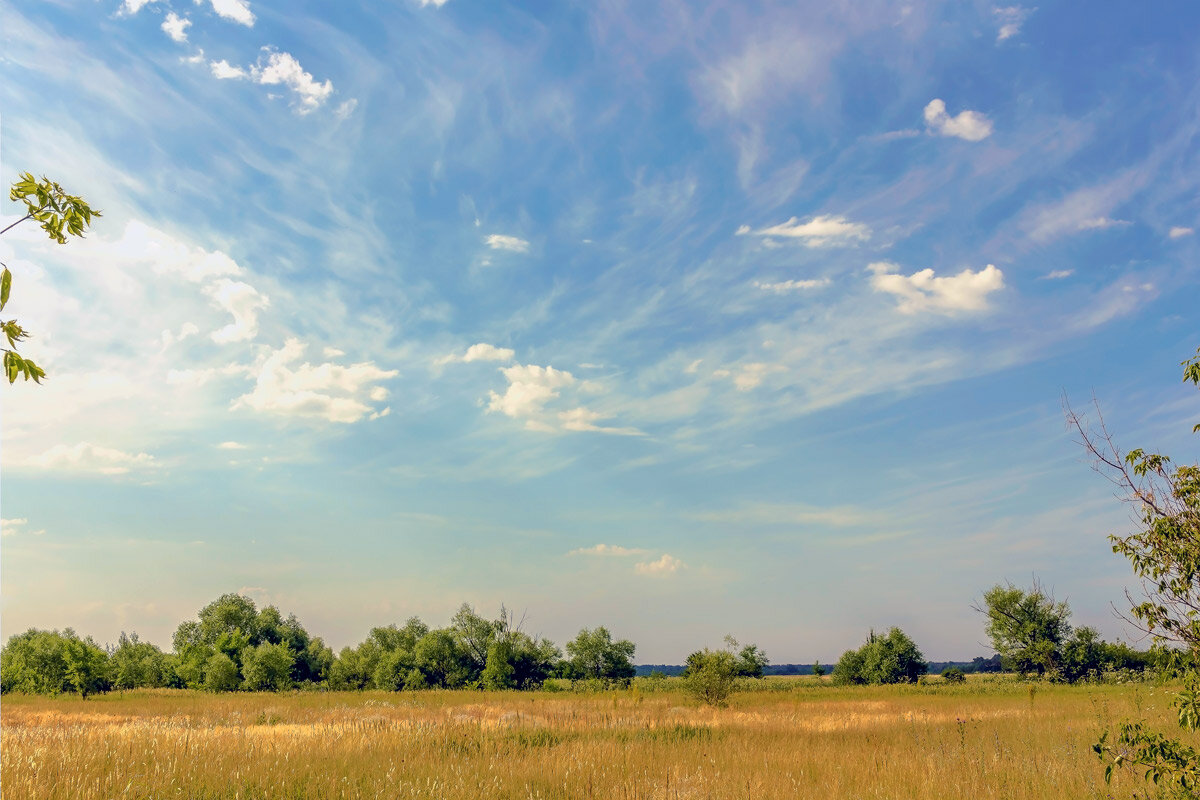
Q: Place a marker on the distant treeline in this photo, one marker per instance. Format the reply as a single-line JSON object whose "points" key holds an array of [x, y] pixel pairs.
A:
{"points": [[233, 645]]}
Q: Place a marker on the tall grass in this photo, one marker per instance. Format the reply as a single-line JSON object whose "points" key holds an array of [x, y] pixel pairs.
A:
{"points": [[792, 738]]}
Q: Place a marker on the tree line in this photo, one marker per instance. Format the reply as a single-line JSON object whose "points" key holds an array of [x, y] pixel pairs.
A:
{"points": [[233, 645]]}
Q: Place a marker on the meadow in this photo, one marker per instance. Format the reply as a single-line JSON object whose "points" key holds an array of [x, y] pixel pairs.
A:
{"points": [[787, 738]]}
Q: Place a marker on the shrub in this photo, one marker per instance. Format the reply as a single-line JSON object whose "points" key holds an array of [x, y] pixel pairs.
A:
{"points": [[711, 676], [953, 675]]}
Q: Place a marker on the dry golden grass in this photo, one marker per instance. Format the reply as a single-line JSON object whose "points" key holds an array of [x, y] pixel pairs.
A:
{"points": [[791, 739]]}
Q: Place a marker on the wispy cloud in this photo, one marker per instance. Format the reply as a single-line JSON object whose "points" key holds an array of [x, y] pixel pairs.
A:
{"points": [[86, 457], [512, 244], [1057, 274], [820, 231], [609, 550], [1011, 18], [785, 287], [661, 567], [1179, 232]]}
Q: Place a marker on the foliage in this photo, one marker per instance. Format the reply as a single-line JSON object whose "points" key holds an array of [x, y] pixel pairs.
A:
{"points": [[711, 676], [60, 215], [594, 655], [891, 658], [953, 675], [135, 664], [1027, 629], [221, 674], [50, 662], [268, 667], [1165, 555]]}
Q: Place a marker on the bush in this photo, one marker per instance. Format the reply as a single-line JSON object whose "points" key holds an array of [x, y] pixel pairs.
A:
{"points": [[892, 658], [953, 675], [711, 676]]}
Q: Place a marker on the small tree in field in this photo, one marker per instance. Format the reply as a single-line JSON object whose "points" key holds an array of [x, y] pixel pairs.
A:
{"points": [[711, 676], [1165, 555]]}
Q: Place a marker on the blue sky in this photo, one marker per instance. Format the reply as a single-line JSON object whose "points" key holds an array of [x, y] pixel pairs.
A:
{"points": [[683, 319]]}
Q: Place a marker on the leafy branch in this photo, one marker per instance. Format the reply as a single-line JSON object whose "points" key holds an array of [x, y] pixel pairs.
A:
{"points": [[60, 215]]}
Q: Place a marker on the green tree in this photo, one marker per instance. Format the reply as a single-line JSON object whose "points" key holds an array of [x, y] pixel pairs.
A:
{"points": [[221, 674], [268, 667], [439, 659], [60, 215], [50, 662], [891, 658], [1165, 556], [135, 663], [711, 676], [87, 666], [594, 655], [1027, 629]]}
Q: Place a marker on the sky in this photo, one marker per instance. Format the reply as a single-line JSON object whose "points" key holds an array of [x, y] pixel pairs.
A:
{"points": [[684, 319]]}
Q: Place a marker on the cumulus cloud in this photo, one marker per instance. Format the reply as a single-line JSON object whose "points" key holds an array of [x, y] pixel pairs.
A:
{"points": [[1179, 232], [223, 70], [783, 287], [176, 27], [665, 565], [87, 457], [609, 550], [1010, 18], [969, 125], [242, 301], [233, 10], [924, 291], [478, 352], [821, 231], [512, 244], [327, 391], [530, 387], [284, 70]]}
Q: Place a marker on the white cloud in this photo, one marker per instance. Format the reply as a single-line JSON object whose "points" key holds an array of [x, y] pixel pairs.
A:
{"points": [[923, 291], [13, 527], [584, 419], [751, 376], [434, 3], [322, 391], [1179, 232], [176, 27], [478, 352], [1010, 18], [819, 231], [283, 69], [234, 10], [223, 70], [782, 287], [969, 125], [513, 244], [241, 300], [1057, 274], [134, 6], [666, 565], [195, 58], [86, 457], [530, 387], [345, 109], [231, 446], [609, 550], [1100, 223]]}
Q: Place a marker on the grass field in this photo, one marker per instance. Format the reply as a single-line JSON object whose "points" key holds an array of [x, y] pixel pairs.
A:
{"points": [[791, 738]]}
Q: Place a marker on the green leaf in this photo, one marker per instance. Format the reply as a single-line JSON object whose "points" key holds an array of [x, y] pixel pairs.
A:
{"points": [[5, 287]]}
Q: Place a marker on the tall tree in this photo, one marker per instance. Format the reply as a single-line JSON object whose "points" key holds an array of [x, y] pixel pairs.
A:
{"points": [[1027, 629], [1165, 556]]}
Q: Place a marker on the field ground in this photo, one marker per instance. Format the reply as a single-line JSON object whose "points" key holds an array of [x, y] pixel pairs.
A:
{"points": [[791, 738]]}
